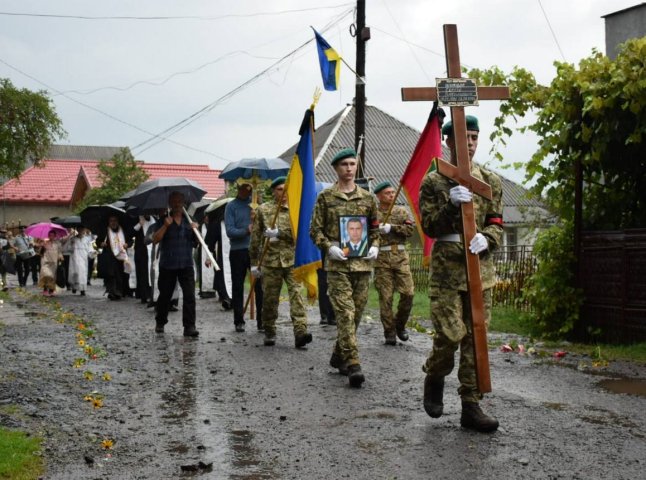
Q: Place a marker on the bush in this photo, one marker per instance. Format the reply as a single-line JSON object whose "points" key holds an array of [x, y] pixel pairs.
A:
{"points": [[550, 290]]}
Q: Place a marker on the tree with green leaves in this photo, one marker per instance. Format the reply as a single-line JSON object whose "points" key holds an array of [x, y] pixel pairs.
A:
{"points": [[29, 126], [118, 175], [594, 114]]}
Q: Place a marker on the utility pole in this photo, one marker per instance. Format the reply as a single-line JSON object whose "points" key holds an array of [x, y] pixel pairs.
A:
{"points": [[362, 35]]}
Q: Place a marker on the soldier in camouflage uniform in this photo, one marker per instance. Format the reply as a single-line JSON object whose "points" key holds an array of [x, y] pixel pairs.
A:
{"points": [[348, 278], [440, 200], [392, 267], [277, 266]]}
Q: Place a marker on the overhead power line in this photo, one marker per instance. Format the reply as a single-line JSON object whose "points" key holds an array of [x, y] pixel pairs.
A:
{"points": [[108, 115], [174, 17], [173, 129], [556, 40]]}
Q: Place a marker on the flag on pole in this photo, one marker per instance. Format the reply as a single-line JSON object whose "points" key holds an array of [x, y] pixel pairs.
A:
{"points": [[330, 63], [301, 197], [428, 148]]}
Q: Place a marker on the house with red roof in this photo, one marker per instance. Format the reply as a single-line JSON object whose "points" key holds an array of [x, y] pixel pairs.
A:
{"points": [[69, 172]]}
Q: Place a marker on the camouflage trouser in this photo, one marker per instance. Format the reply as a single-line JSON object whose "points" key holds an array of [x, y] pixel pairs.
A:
{"points": [[272, 283], [348, 292], [451, 317], [387, 282]]}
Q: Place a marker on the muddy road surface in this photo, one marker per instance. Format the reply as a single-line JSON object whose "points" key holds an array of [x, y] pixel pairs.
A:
{"points": [[140, 405]]}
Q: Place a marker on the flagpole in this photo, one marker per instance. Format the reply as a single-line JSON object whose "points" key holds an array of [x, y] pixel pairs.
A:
{"points": [[316, 97]]}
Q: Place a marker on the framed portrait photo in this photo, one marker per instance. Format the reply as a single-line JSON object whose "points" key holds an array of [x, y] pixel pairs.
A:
{"points": [[353, 235]]}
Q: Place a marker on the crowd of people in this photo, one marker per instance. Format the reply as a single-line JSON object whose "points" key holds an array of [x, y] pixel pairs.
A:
{"points": [[361, 235]]}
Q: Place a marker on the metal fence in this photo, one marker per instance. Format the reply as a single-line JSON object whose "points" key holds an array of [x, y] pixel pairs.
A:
{"points": [[514, 265]]}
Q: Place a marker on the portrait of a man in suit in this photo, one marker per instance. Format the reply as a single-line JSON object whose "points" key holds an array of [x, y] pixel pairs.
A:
{"points": [[354, 242]]}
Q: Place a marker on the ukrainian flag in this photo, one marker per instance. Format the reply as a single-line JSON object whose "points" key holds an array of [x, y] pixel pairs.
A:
{"points": [[301, 197], [330, 63]]}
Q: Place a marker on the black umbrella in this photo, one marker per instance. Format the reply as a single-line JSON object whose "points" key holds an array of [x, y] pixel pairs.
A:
{"points": [[95, 217], [196, 210], [153, 194], [71, 221]]}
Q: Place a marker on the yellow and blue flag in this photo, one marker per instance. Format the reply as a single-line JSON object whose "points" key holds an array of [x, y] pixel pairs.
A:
{"points": [[301, 197], [330, 63]]}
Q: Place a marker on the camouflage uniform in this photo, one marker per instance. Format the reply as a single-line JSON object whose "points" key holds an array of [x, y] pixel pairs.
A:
{"points": [[277, 266], [450, 305], [348, 280], [392, 271]]}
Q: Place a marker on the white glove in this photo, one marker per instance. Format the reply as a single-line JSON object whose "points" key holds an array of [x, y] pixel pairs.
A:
{"points": [[478, 244], [271, 233], [384, 227], [372, 253], [255, 272], [335, 253], [460, 195]]}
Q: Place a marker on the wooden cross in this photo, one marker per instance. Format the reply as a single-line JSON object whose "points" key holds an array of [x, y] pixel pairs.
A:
{"points": [[462, 174]]}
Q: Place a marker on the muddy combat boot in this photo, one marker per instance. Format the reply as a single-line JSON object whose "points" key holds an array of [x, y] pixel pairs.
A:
{"points": [[475, 419], [433, 393], [337, 362], [355, 376], [270, 340], [390, 340]]}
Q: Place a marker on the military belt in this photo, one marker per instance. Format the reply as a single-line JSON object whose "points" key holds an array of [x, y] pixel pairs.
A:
{"points": [[449, 237], [392, 248]]}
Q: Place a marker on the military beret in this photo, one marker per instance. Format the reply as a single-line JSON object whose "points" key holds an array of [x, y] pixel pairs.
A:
{"points": [[345, 153], [381, 186], [278, 181], [472, 124]]}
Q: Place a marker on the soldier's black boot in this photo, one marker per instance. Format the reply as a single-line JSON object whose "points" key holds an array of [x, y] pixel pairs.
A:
{"points": [[475, 419], [301, 340], [402, 334], [337, 362], [355, 376], [433, 393]]}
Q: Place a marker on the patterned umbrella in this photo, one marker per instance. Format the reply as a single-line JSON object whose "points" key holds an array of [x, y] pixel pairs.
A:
{"points": [[42, 229]]}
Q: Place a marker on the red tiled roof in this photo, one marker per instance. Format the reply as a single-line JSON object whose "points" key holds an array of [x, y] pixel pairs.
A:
{"points": [[54, 183]]}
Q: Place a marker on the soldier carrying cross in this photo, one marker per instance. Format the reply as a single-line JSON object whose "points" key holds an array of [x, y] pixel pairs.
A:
{"points": [[467, 228], [440, 201]]}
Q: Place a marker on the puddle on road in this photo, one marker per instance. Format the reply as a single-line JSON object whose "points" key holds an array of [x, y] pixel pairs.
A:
{"points": [[625, 385]]}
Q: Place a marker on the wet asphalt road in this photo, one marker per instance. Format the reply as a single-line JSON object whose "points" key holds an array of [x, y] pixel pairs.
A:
{"points": [[252, 412]]}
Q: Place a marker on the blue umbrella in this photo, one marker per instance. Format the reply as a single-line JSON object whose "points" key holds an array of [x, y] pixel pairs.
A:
{"points": [[261, 168]]}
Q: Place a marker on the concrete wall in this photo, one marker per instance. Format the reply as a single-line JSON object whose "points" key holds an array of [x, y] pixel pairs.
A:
{"points": [[624, 26], [12, 215]]}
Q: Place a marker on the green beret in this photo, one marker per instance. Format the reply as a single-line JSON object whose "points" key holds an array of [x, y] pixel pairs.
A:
{"points": [[472, 124], [381, 186], [345, 153], [278, 181]]}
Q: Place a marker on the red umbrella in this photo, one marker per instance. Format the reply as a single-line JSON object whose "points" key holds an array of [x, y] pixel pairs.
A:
{"points": [[42, 229]]}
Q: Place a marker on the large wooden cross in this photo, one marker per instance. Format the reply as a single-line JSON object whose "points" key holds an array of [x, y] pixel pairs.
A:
{"points": [[462, 174]]}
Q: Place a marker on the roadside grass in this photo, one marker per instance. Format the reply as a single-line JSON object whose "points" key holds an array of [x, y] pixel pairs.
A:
{"points": [[510, 320], [19, 455]]}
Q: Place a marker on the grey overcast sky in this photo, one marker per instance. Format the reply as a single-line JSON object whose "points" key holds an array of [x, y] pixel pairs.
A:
{"points": [[117, 81]]}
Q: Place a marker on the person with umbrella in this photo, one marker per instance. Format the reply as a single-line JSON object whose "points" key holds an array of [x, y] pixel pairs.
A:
{"points": [[117, 262], [177, 239], [238, 222], [51, 254]]}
